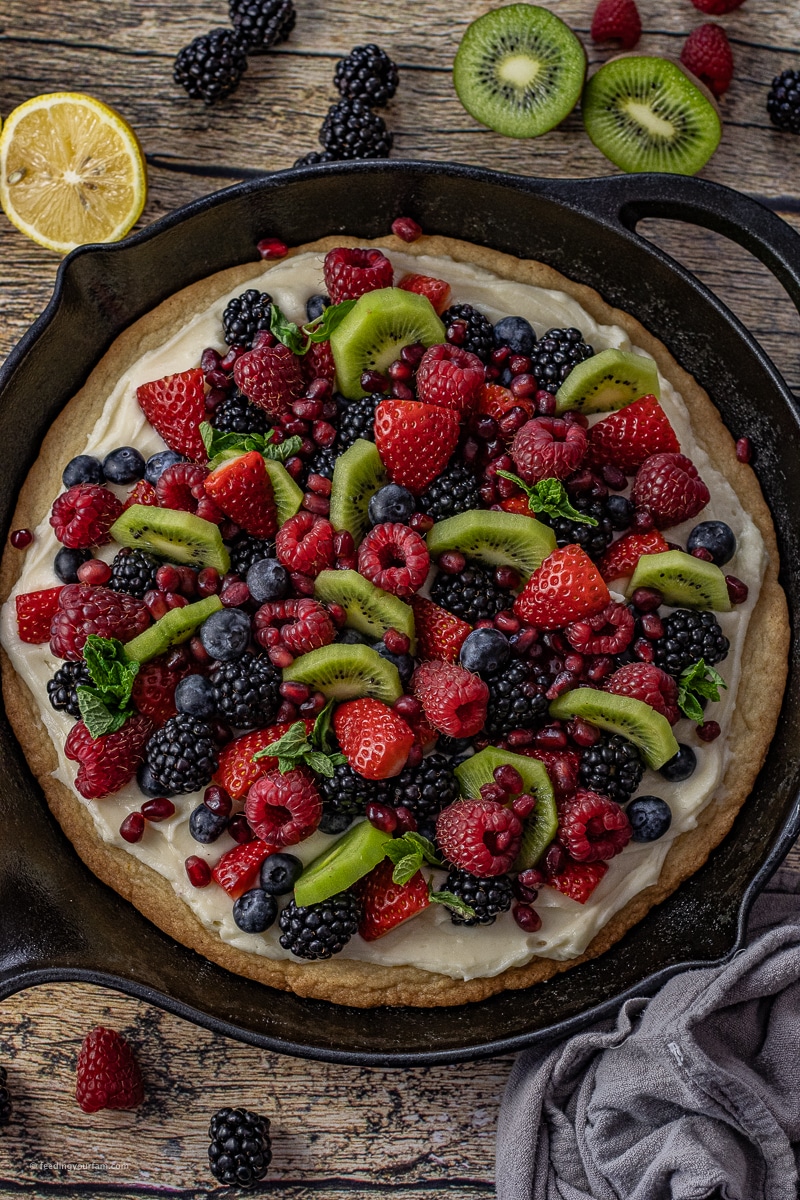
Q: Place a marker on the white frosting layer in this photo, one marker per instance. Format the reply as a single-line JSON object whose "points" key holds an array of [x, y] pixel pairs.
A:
{"points": [[430, 941]]}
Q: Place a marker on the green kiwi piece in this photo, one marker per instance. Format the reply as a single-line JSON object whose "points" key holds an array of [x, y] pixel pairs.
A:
{"points": [[357, 476], [343, 864], [369, 609], [634, 719], [287, 495], [177, 626], [540, 827], [645, 114], [610, 380], [500, 539], [344, 672], [682, 579], [519, 70], [180, 537], [374, 332]]}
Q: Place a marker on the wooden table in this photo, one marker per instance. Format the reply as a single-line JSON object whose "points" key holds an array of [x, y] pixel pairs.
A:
{"points": [[338, 1131]]}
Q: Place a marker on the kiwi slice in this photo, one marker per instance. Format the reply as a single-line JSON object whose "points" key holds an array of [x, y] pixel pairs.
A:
{"points": [[374, 332], [343, 672], [357, 476], [682, 579], [500, 539], [634, 719], [180, 537], [519, 70], [287, 495], [369, 609], [610, 380], [343, 864], [541, 826], [645, 114], [177, 626]]}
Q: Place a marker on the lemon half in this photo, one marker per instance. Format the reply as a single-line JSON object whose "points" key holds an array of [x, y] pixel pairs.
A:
{"points": [[71, 171]]}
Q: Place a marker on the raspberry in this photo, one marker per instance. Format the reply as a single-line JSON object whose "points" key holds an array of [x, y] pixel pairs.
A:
{"points": [[670, 487], [83, 515], [107, 763], [450, 377], [284, 809], [587, 636], [318, 363], [454, 699], [305, 543], [304, 625], [181, 487], [592, 827], [649, 683], [707, 54], [562, 767], [480, 836], [35, 612], [271, 377], [108, 1075], [577, 880], [618, 21], [548, 448], [154, 688], [351, 273], [717, 8], [394, 558], [83, 609]]}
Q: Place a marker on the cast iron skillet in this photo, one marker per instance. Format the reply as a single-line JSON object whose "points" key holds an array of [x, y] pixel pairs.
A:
{"points": [[58, 922]]}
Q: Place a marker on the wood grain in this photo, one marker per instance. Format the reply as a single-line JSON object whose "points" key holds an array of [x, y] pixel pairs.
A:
{"points": [[338, 1132]]}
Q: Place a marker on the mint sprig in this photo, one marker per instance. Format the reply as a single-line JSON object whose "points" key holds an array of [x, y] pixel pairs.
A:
{"points": [[454, 903], [222, 446], [698, 680], [549, 496], [106, 705], [300, 338], [297, 749], [408, 853]]}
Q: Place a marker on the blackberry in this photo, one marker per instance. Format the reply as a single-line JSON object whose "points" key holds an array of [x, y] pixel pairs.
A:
{"points": [[313, 157], [352, 130], [240, 1150], [211, 66], [347, 793], [62, 689], [246, 550], [472, 594], [480, 331], [454, 491], [182, 756], [5, 1099], [133, 572], [320, 930], [428, 788], [689, 636], [554, 356], [322, 462], [612, 514], [516, 699], [368, 74], [613, 766], [487, 897], [262, 24], [237, 415], [356, 420], [246, 690], [783, 101], [245, 316]]}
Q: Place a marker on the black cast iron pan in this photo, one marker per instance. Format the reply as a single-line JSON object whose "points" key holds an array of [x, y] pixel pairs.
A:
{"points": [[58, 922]]}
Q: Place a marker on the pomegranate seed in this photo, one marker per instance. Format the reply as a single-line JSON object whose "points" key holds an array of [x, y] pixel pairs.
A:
{"points": [[406, 228], [563, 682], [527, 918], [401, 391], [320, 389], [414, 755], [198, 871], [239, 829], [736, 589], [168, 578], [509, 779], [302, 584], [217, 800], [644, 650], [400, 372], [323, 433], [642, 521], [94, 571], [20, 538], [701, 553], [614, 478], [555, 860], [552, 737], [494, 791], [156, 605], [531, 877], [214, 398], [523, 805], [520, 892], [373, 381], [319, 505], [132, 827], [412, 354], [545, 404], [485, 428], [208, 582], [582, 733], [519, 364], [520, 737], [177, 658], [469, 451], [647, 599], [500, 354], [158, 809], [280, 657], [287, 712], [484, 623], [709, 731], [210, 360], [574, 663], [313, 706], [319, 484], [218, 379], [406, 821], [396, 642], [506, 622], [229, 361], [522, 642], [382, 817], [744, 450], [188, 583], [220, 731], [295, 466], [294, 427], [309, 410], [421, 522], [408, 707], [347, 562], [296, 692], [233, 595], [343, 543], [495, 450], [601, 666], [457, 333], [506, 488], [199, 652], [652, 626], [523, 387], [512, 420], [338, 615], [175, 600], [452, 562], [272, 247]]}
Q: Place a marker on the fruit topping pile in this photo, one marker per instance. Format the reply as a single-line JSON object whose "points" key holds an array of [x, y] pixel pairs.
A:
{"points": [[364, 591]]}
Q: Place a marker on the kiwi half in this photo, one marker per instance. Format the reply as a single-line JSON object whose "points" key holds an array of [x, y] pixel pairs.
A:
{"points": [[177, 626], [519, 70], [682, 579], [610, 380], [369, 609], [645, 114], [287, 495], [500, 539], [541, 826], [631, 718], [342, 865], [374, 332], [357, 476], [343, 672], [180, 537]]}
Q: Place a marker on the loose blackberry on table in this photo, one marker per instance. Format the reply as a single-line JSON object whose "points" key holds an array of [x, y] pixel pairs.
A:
{"points": [[487, 897], [182, 756], [262, 24], [368, 74], [133, 572], [472, 594], [237, 415], [516, 699], [689, 636], [456, 490], [317, 931], [356, 420], [239, 1152], [247, 690], [479, 338], [211, 66], [613, 767], [352, 130], [554, 356], [426, 789], [783, 101], [5, 1098], [62, 689]]}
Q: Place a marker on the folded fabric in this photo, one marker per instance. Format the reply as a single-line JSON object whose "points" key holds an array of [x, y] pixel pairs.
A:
{"points": [[691, 1094]]}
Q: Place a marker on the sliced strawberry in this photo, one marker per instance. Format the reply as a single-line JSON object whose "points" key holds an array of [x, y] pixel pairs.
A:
{"points": [[566, 587], [386, 904], [578, 880], [375, 740], [453, 698], [440, 634], [175, 406], [621, 557], [495, 401], [237, 772], [435, 290], [415, 441], [236, 871], [35, 611], [241, 487], [626, 438], [154, 688]]}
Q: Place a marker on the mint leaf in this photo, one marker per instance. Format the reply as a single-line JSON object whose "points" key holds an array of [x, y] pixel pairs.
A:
{"points": [[408, 853], [321, 733], [108, 667], [291, 745], [280, 451], [549, 496], [300, 337], [220, 447], [323, 326], [406, 869], [695, 681], [454, 903], [98, 717], [295, 750], [320, 763], [286, 331]]}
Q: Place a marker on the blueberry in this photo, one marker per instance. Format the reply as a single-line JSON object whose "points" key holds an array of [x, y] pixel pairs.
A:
{"points": [[268, 580], [516, 333], [316, 305], [485, 651], [206, 826], [255, 911], [147, 783], [157, 464], [83, 469], [716, 537], [195, 695], [226, 634], [650, 818], [67, 561], [505, 377], [620, 512], [123, 465], [280, 872], [681, 765], [403, 662], [391, 503], [334, 822], [351, 637]]}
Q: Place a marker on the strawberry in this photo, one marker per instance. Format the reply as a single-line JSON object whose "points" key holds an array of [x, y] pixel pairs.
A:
{"points": [[717, 8], [621, 557], [241, 488], [517, 504], [305, 543], [480, 836], [350, 273], [626, 438], [395, 559], [142, 492], [707, 54], [237, 771], [318, 363], [270, 376], [454, 700], [109, 762], [83, 515], [175, 406], [284, 808], [647, 682], [154, 688], [108, 1075], [236, 871], [375, 740], [578, 880], [415, 441], [450, 377], [84, 609], [670, 487], [617, 21], [440, 634], [548, 448], [435, 290], [495, 401], [566, 587], [386, 904], [35, 611]]}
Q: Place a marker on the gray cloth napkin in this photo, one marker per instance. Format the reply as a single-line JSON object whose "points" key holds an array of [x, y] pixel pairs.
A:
{"points": [[691, 1094]]}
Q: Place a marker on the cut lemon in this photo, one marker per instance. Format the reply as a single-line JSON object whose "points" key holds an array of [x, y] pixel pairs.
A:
{"points": [[71, 171]]}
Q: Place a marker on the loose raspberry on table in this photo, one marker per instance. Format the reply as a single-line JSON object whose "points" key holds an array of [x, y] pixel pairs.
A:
{"points": [[454, 699], [284, 809], [109, 762], [707, 54], [649, 683], [271, 377], [83, 515], [305, 543], [548, 448], [592, 827], [303, 625], [450, 377], [670, 487], [394, 558], [83, 609], [617, 21], [35, 612], [108, 1075], [350, 273], [607, 632], [480, 836], [717, 8]]}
